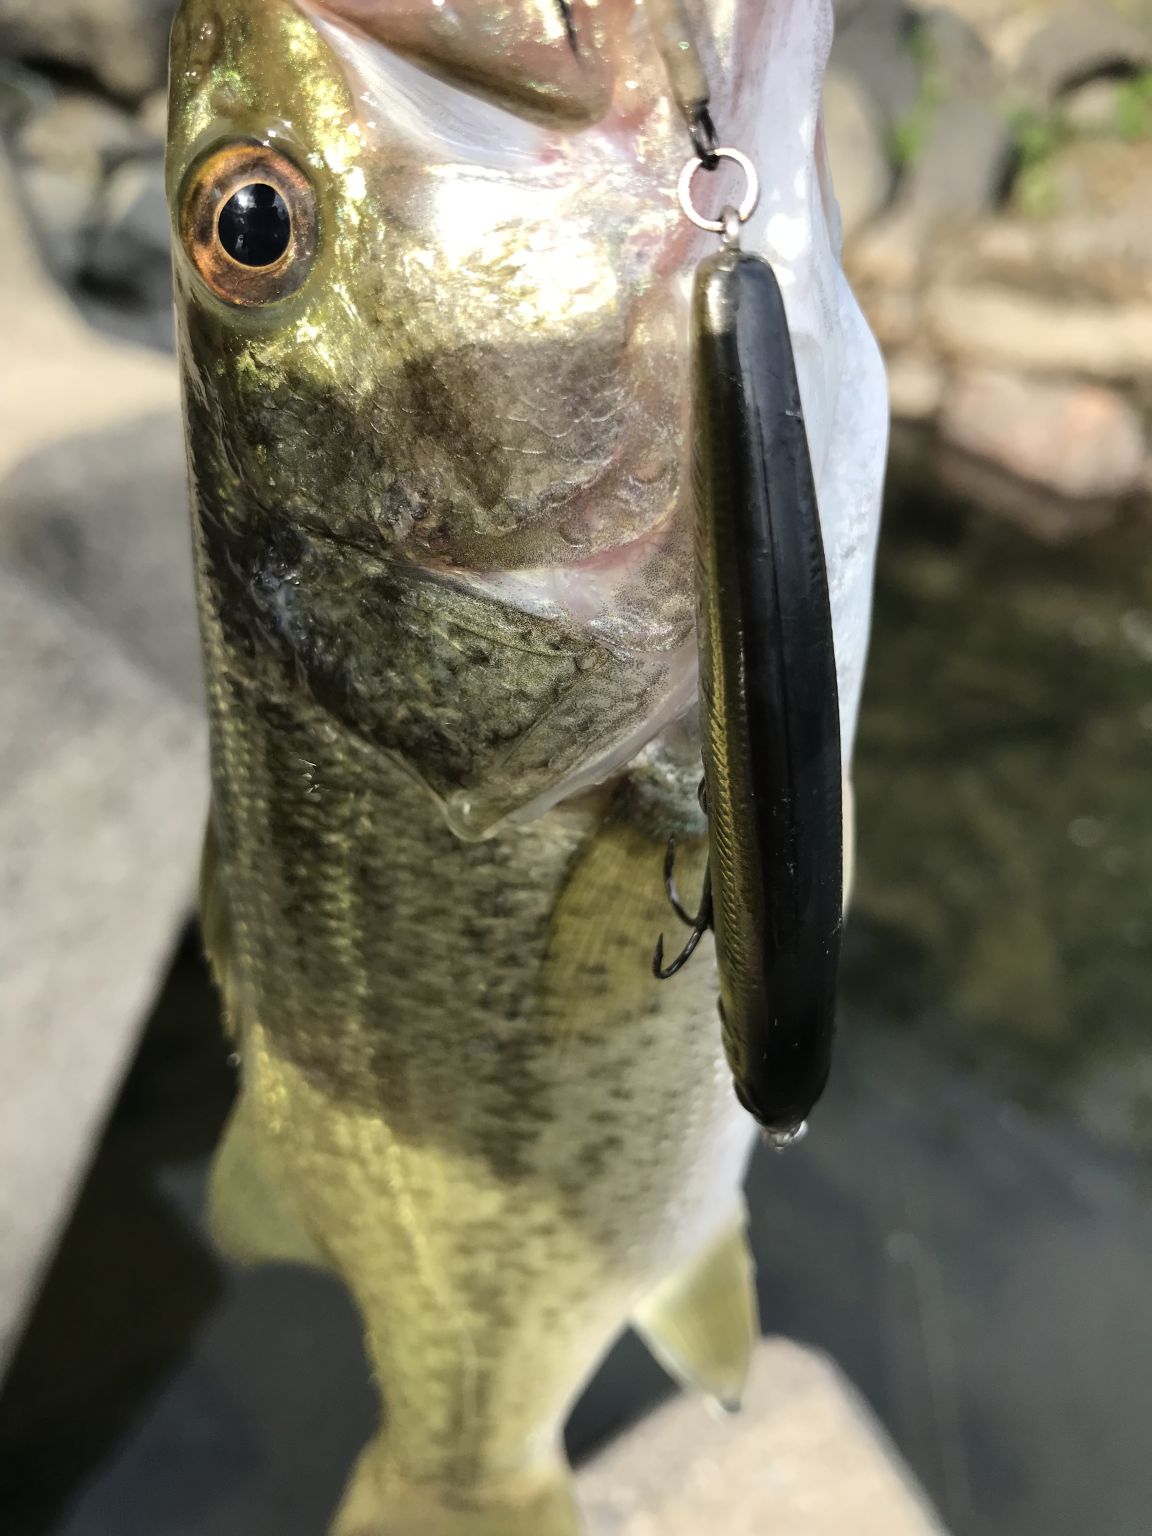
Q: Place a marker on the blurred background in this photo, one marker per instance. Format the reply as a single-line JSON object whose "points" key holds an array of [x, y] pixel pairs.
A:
{"points": [[969, 1234]]}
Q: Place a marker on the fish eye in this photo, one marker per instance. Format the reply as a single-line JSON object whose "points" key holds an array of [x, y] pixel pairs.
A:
{"points": [[248, 223], [255, 227]]}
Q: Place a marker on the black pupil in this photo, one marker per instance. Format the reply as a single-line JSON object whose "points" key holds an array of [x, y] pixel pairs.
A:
{"points": [[255, 225]]}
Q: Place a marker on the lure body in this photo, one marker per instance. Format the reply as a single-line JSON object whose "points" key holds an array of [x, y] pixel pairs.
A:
{"points": [[769, 710]]}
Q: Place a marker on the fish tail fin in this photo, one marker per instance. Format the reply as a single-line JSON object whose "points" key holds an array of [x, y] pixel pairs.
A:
{"points": [[380, 1502]]}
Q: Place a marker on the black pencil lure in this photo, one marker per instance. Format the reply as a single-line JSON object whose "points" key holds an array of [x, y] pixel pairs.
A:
{"points": [[768, 701]]}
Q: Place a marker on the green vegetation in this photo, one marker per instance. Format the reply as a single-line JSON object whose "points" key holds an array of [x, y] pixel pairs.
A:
{"points": [[1134, 107], [911, 134], [1037, 137], [1038, 134]]}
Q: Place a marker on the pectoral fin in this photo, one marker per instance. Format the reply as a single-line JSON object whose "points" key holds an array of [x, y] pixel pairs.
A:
{"points": [[251, 1214], [702, 1323]]}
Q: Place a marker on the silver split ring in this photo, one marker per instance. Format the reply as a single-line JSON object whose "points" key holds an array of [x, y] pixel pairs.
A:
{"points": [[751, 195]]}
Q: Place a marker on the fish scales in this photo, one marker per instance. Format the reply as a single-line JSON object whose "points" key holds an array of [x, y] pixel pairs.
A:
{"points": [[479, 1063], [526, 991]]}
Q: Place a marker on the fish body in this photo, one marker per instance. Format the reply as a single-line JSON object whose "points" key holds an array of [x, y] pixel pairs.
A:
{"points": [[444, 547], [768, 698]]}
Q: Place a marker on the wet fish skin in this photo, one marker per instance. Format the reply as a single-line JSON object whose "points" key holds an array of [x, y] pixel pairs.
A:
{"points": [[522, 417], [444, 564]]}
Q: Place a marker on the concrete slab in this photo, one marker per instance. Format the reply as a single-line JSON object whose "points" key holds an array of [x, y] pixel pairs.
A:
{"points": [[100, 821], [804, 1457]]}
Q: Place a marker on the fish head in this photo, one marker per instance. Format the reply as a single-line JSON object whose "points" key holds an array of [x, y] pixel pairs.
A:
{"points": [[433, 298]]}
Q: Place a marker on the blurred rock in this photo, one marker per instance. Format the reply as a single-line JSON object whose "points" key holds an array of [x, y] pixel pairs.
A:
{"points": [[1099, 178], [100, 821], [62, 205], [22, 92], [63, 150], [56, 377], [1076, 42], [964, 166], [894, 315], [1027, 331], [103, 761], [1092, 107], [963, 155], [100, 518], [804, 1457], [960, 60], [1095, 243], [80, 131], [890, 254], [116, 315], [997, 21], [1035, 509], [873, 44], [1080, 440], [915, 387], [153, 115], [123, 43], [129, 251], [854, 133]]}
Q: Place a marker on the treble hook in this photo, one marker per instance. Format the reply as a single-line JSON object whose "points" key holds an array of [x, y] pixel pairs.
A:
{"points": [[699, 924], [670, 885]]}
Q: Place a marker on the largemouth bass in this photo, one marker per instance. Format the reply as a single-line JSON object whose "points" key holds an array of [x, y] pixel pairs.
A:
{"points": [[433, 293]]}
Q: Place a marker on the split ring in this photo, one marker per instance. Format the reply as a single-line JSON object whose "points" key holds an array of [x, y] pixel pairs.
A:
{"points": [[751, 195]]}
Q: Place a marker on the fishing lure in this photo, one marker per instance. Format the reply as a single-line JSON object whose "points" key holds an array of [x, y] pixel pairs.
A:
{"points": [[768, 695]]}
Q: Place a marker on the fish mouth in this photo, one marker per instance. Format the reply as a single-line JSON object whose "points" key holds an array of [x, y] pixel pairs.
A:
{"points": [[631, 586]]}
